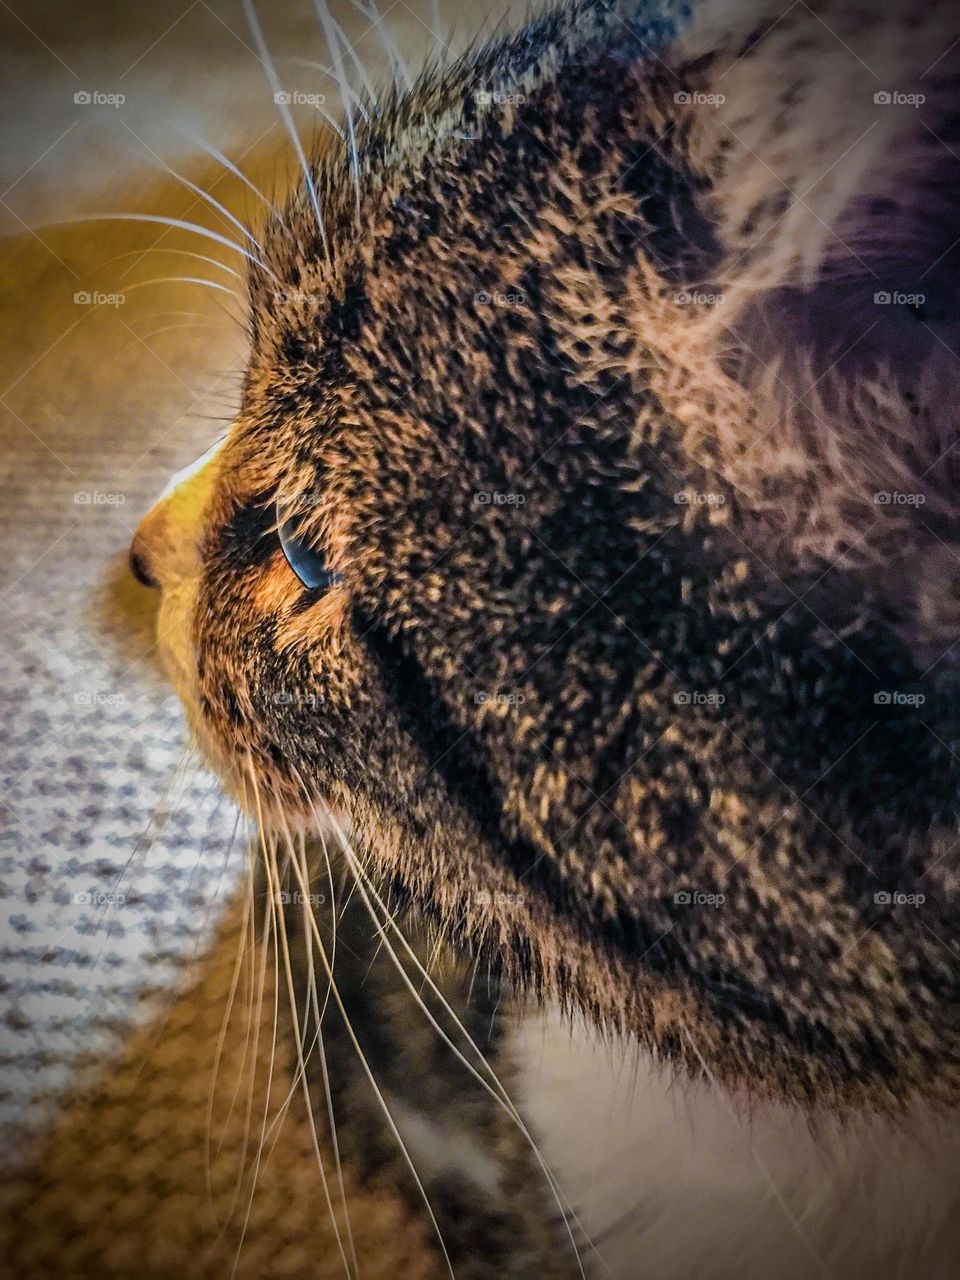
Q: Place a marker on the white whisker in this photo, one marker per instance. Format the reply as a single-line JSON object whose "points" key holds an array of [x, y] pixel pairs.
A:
{"points": [[497, 1091], [229, 165], [209, 284], [332, 32], [253, 21], [164, 221], [397, 61], [391, 1123], [198, 191], [184, 253], [301, 1073]]}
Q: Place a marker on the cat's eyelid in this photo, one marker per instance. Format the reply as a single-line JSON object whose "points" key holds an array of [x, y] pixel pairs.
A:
{"points": [[181, 477]]}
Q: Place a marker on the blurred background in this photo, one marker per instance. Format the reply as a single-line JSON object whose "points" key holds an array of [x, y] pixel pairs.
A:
{"points": [[121, 350]]}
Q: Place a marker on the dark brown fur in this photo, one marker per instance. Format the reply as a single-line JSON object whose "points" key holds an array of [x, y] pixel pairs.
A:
{"points": [[548, 719]]}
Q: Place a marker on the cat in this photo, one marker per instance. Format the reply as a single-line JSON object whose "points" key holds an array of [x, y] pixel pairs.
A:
{"points": [[584, 550]]}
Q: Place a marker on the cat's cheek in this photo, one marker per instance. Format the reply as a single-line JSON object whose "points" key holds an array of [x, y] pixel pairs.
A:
{"points": [[175, 642]]}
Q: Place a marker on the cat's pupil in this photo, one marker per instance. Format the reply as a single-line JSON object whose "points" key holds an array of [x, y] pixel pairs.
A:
{"points": [[301, 557]]}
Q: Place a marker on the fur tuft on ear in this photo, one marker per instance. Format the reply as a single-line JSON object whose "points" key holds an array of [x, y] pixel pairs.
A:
{"points": [[832, 144]]}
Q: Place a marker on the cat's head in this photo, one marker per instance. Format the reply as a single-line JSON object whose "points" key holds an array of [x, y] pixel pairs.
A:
{"points": [[587, 534]]}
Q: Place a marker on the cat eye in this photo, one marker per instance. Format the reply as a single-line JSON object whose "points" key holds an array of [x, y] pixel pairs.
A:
{"points": [[301, 557]]}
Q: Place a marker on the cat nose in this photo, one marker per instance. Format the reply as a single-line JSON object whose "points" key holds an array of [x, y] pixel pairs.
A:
{"points": [[146, 549], [140, 565]]}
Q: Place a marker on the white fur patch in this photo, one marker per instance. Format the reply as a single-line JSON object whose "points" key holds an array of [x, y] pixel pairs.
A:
{"points": [[670, 1182]]}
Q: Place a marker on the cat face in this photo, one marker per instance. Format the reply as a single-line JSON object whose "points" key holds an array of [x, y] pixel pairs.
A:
{"points": [[569, 541]]}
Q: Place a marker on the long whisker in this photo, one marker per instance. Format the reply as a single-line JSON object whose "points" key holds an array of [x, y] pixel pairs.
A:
{"points": [[397, 61], [253, 21], [331, 74], [301, 1075], [198, 191], [271, 931], [229, 165], [248, 905], [164, 221], [312, 998], [209, 284], [184, 253], [497, 1092], [378, 1093], [332, 33]]}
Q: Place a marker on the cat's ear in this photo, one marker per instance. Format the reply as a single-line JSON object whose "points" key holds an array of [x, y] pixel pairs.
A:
{"points": [[832, 137]]}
